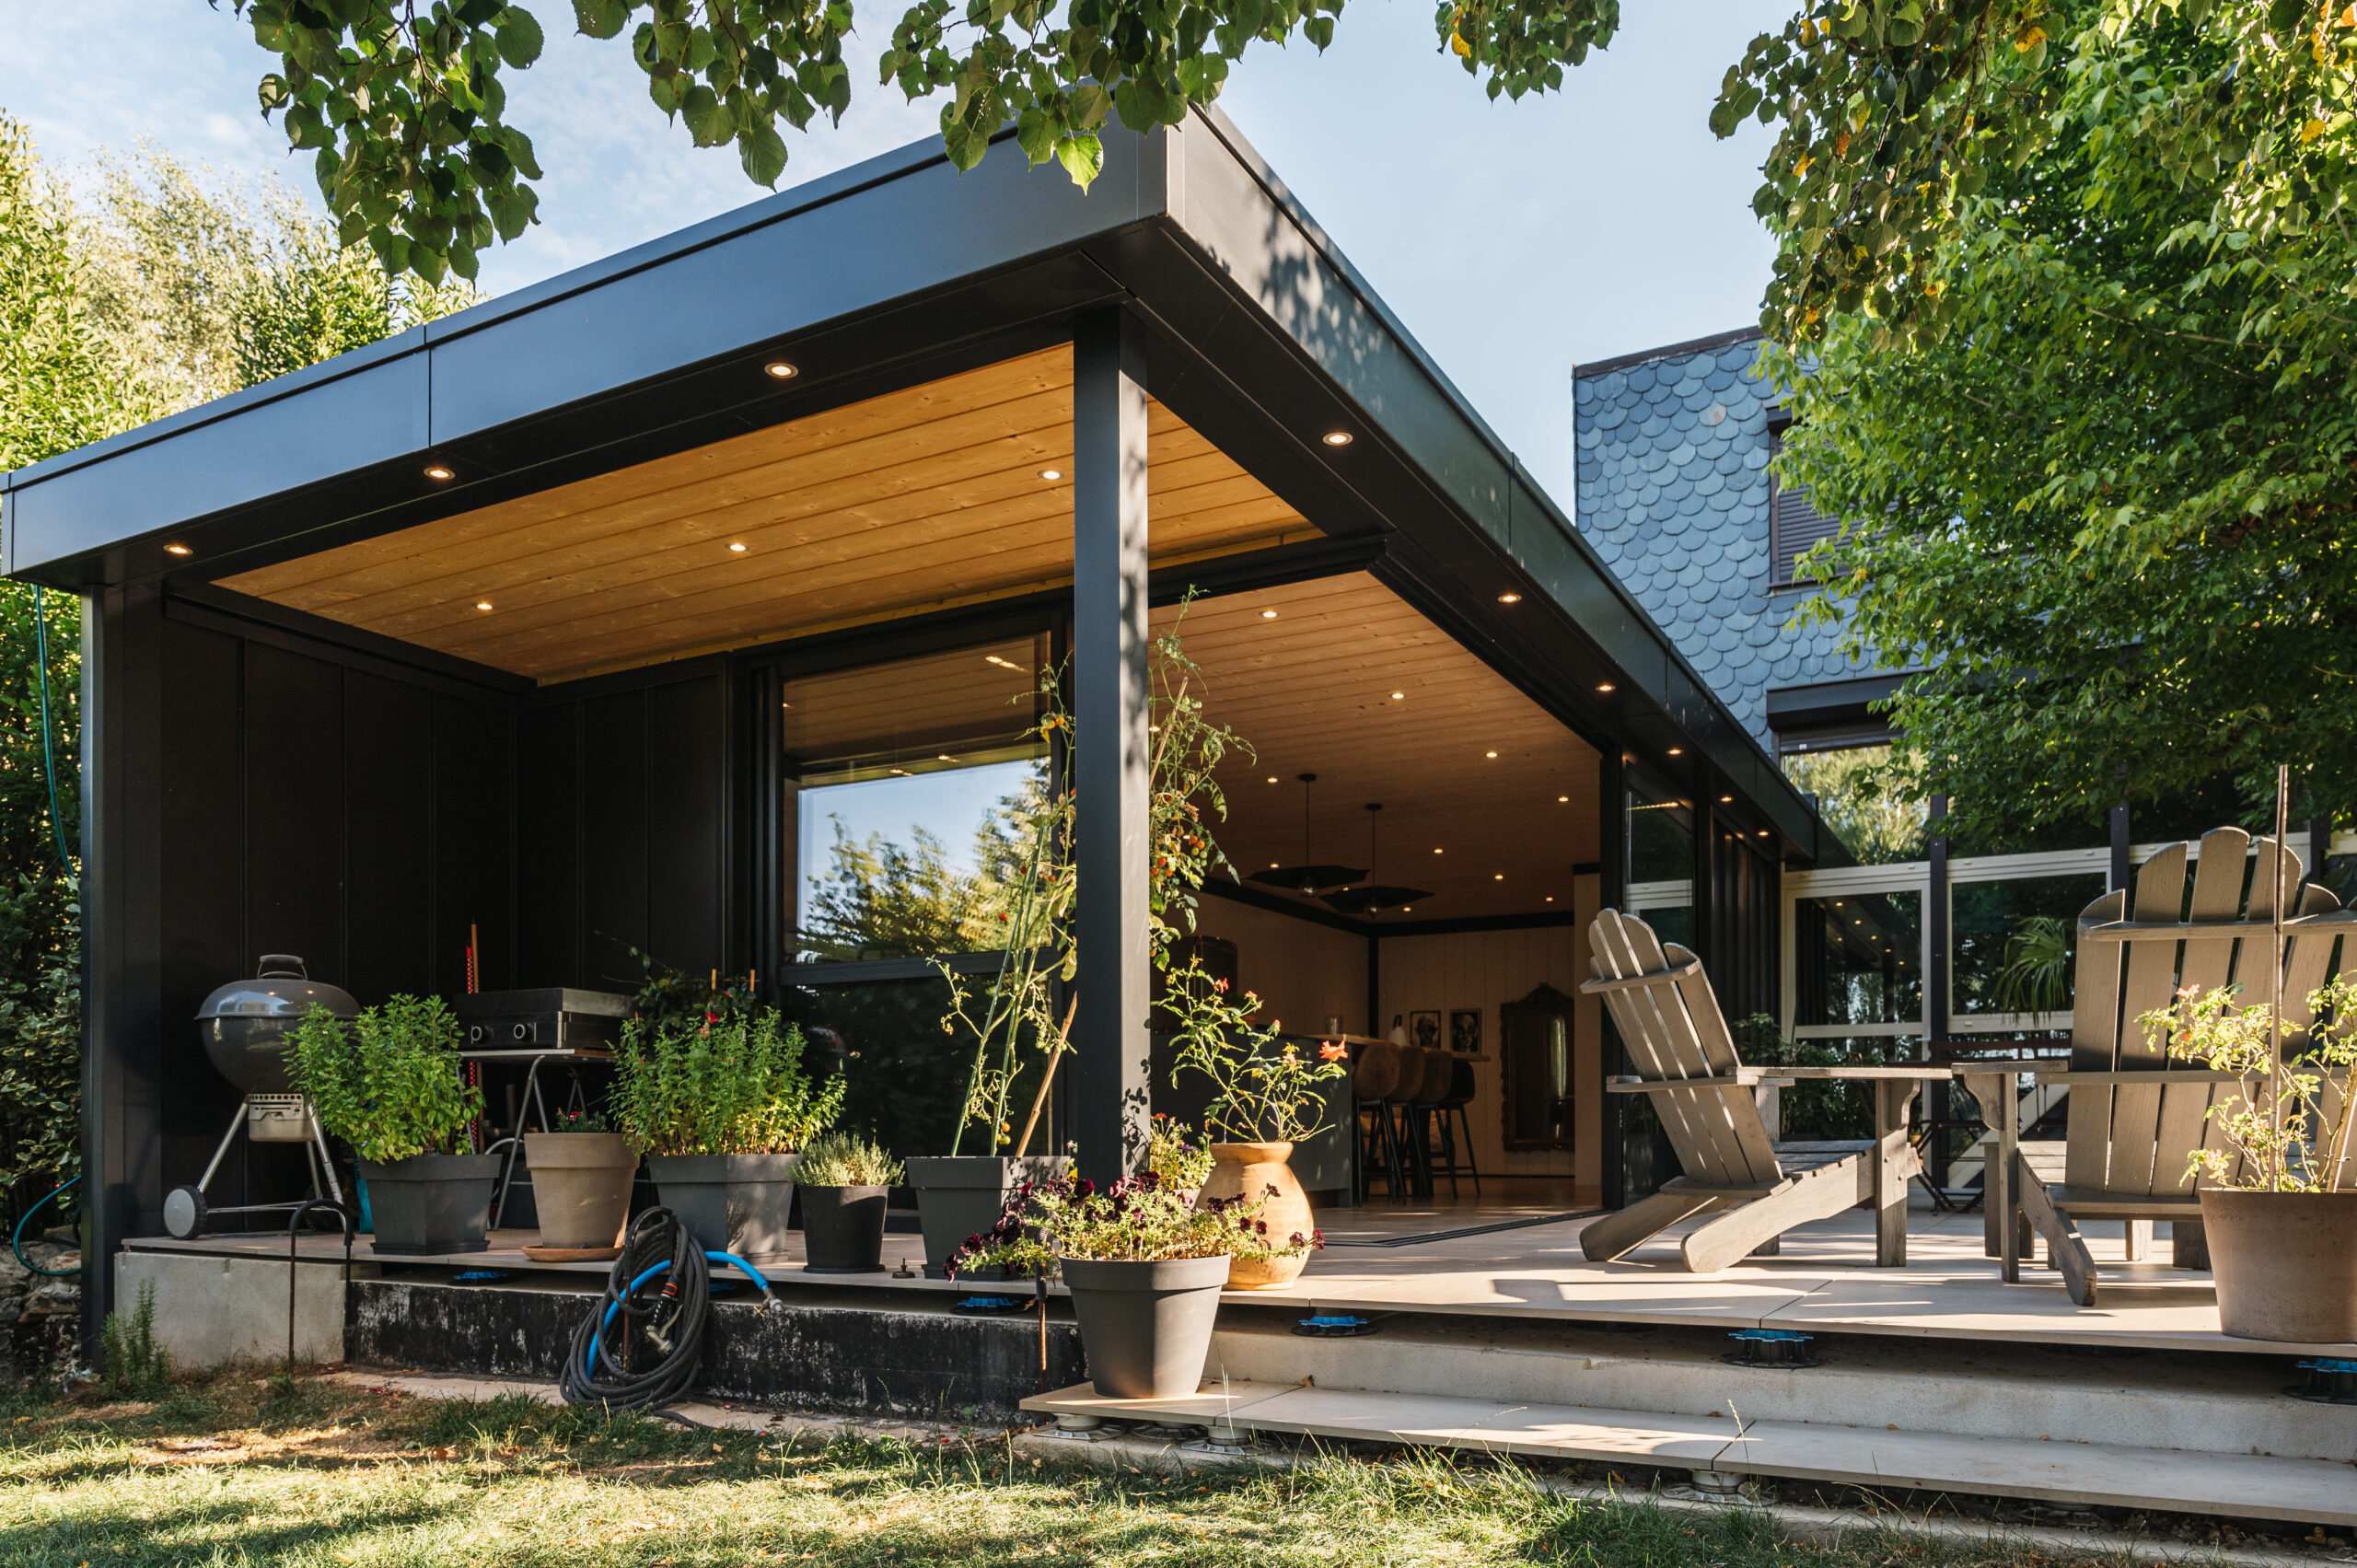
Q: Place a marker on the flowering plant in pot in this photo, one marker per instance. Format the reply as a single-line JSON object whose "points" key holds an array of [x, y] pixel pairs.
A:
{"points": [[2278, 1200], [388, 1084], [1013, 1019], [1145, 1261], [845, 1181], [582, 1172], [720, 1102], [1264, 1099]]}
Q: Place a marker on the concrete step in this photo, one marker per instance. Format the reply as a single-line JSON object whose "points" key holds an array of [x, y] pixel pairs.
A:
{"points": [[2315, 1492], [2231, 1404]]}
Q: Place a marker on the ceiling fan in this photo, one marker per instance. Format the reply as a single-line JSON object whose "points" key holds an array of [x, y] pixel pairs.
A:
{"points": [[1313, 878], [1375, 898]]}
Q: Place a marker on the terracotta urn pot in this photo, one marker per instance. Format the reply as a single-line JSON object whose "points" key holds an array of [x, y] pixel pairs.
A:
{"points": [[1238, 1169], [2285, 1263]]}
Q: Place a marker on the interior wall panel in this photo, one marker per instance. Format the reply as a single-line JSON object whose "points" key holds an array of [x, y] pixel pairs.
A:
{"points": [[473, 880], [387, 749]]}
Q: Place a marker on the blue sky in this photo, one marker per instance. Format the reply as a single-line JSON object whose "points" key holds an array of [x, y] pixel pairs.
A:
{"points": [[1513, 239]]}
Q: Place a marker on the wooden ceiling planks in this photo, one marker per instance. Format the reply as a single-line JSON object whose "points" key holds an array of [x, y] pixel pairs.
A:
{"points": [[925, 498], [1311, 689]]}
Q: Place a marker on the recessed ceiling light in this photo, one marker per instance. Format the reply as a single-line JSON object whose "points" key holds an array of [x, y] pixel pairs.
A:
{"points": [[437, 472], [1726, 800], [1562, 799], [780, 370], [901, 773], [1509, 599], [1437, 851], [1272, 778], [1497, 876], [1550, 897], [944, 757], [1052, 473], [176, 550], [994, 658], [1763, 832], [1398, 696], [1336, 438], [739, 549], [1603, 686], [1272, 866], [482, 604], [1488, 753], [1677, 750], [1267, 615]]}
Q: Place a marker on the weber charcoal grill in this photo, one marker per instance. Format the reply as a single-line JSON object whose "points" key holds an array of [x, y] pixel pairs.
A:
{"points": [[245, 1025]]}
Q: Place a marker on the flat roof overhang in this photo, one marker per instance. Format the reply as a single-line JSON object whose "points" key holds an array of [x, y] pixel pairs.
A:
{"points": [[1261, 337]]}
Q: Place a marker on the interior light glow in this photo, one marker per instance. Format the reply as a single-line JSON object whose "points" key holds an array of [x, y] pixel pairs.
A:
{"points": [[1550, 897], [780, 370], [994, 658], [1497, 876], [1603, 686], [1267, 615], [176, 550], [1272, 778], [1438, 852], [1677, 750], [1509, 597], [1563, 798], [1726, 800], [1336, 438], [739, 549], [437, 472], [1052, 473], [902, 774], [482, 604], [1488, 753], [1398, 696]]}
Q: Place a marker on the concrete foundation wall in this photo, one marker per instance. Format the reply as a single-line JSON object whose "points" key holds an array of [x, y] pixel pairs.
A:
{"points": [[209, 1310]]}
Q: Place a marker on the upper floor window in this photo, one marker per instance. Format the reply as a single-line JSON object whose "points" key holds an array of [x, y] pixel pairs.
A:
{"points": [[1793, 521]]}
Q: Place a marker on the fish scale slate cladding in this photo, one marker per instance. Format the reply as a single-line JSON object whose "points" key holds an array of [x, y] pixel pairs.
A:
{"points": [[1673, 494]]}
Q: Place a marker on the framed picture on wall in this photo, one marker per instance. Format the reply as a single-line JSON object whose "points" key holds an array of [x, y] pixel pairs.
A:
{"points": [[1423, 1029], [1464, 1031]]}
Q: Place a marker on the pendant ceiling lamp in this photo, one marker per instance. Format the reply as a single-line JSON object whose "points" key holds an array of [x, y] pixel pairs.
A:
{"points": [[1310, 879], [1375, 898]]}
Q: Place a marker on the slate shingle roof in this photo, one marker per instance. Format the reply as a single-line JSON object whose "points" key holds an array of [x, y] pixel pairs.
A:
{"points": [[1673, 493]]}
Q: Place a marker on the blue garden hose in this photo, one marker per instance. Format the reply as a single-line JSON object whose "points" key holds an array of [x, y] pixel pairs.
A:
{"points": [[17, 1239], [673, 1318]]}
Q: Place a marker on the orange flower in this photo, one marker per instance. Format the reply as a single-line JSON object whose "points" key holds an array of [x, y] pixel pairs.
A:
{"points": [[1334, 1051]]}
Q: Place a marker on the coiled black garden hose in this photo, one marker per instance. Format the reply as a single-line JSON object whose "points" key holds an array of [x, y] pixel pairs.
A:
{"points": [[670, 1314]]}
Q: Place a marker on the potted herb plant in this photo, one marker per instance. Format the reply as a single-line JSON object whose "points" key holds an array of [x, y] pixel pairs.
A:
{"points": [[845, 1181], [720, 1102], [1264, 1101], [388, 1084], [2277, 1199], [1145, 1261], [582, 1172], [1014, 1017]]}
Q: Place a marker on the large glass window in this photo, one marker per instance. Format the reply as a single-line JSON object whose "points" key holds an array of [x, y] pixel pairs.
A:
{"points": [[1876, 824], [1858, 964], [911, 785], [1660, 839], [2015, 943]]}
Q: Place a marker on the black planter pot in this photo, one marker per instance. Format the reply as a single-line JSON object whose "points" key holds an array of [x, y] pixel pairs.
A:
{"points": [[431, 1203], [1146, 1326], [960, 1196], [729, 1203], [842, 1229]]}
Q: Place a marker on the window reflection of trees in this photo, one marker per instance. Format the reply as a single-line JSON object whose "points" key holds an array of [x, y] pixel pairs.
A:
{"points": [[881, 898]]}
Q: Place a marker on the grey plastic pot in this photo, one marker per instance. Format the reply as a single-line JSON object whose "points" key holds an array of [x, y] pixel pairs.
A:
{"points": [[842, 1229], [960, 1196], [2285, 1263], [1146, 1327], [581, 1186], [729, 1203], [430, 1203]]}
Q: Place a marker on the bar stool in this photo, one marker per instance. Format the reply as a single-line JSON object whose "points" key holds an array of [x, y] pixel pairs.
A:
{"points": [[1432, 1087], [1453, 1158], [1375, 1079]]}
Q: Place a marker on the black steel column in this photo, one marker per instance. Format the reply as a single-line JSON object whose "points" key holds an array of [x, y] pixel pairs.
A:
{"points": [[2119, 848], [1703, 870], [122, 1191], [1935, 986], [1612, 892], [1110, 765]]}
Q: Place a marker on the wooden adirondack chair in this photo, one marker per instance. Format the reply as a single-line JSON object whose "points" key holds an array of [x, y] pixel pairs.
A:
{"points": [[2134, 1119], [1677, 1039]]}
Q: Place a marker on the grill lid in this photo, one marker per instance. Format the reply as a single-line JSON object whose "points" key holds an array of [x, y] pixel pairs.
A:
{"points": [[283, 990]]}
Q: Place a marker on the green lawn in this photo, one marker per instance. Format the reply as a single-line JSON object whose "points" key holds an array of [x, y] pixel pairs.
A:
{"points": [[238, 1469]]}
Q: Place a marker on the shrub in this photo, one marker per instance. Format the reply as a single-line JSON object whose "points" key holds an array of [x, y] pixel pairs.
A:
{"points": [[845, 1159], [135, 1364], [1139, 1219], [387, 1082], [718, 1086]]}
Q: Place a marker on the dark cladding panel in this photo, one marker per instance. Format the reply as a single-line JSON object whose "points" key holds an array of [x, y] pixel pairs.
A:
{"points": [[294, 728], [613, 835], [685, 797], [548, 847], [202, 916], [473, 882], [387, 749]]}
